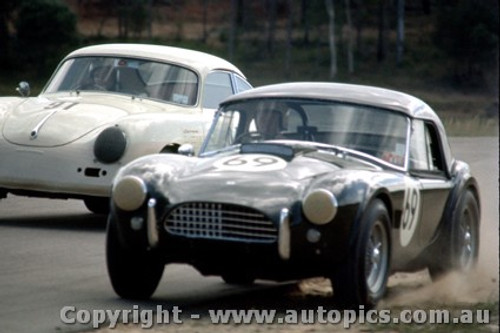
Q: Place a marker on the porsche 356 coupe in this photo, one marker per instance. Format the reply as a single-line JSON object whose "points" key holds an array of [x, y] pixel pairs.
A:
{"points": [[104, 106], [300, 180]]}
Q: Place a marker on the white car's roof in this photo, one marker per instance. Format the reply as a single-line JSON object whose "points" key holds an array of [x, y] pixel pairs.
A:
{"points": [[196, 59]]}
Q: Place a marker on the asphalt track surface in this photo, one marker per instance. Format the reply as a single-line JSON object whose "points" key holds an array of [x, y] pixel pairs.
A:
{"points": [[52, 256]]}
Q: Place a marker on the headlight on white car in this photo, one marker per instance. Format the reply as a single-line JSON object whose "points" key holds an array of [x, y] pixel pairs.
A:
{"points": [[110, 145], [129, 193], [320, 206]]}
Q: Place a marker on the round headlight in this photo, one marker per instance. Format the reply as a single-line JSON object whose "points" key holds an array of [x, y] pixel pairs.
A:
{"points": [[320, 206], [129, 193], [110, 145]]}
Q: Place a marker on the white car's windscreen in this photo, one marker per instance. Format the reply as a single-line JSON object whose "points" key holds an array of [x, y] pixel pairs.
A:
{"points": [[144, 78]]}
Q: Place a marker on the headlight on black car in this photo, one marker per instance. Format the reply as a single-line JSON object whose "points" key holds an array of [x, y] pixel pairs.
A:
{"points": [[320, 206], [129, 193]]}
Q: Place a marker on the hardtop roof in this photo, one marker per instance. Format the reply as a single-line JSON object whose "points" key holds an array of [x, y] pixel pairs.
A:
{"points": [[199, 60]]}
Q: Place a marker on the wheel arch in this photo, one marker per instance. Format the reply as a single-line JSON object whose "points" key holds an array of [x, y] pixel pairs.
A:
{"points": [[464, 181], [387, 201], [439, 257], [370, 210], [171, 147], [473, 187], [465, 184], [381, 194]]}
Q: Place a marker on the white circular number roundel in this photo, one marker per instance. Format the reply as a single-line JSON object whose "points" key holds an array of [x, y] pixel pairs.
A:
{"points": [[411, 212], [251, 162]]}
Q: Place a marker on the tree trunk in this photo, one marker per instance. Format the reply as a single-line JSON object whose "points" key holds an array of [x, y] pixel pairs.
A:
{"points": [[426, 7], [271, 25], [205, 14], [304, 20], [150, 19], [400, 32], [288, 56], [234, 27], [331, 37], [359, 19], [350, 38], [382, 31]]}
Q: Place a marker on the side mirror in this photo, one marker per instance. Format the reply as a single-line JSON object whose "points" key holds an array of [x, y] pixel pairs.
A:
{"points": [[23, 88], [186, 149]]}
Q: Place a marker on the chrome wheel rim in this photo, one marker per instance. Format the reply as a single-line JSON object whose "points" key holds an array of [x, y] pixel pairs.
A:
{"points": [[467, 242], [377, 257]]}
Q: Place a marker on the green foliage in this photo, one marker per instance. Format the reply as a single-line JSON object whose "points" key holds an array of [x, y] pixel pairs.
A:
{"points": [[7, 8], [45, 30], [467, 30]]}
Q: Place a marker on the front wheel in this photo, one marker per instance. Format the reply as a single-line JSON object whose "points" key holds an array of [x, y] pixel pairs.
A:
{"points": [[362, 278], [460, 240], [134, 273], [97, 205]]}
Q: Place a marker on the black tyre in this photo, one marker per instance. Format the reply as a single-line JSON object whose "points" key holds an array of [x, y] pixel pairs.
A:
{"points": [[134, 273], [460, 241], [362, 278], [97, 205]]}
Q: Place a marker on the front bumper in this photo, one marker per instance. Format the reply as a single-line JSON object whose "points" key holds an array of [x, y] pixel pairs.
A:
{"points": [[68, 171], [299, 249]]}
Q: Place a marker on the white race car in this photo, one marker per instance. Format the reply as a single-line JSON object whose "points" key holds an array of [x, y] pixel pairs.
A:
{"points": [[104, 106]]}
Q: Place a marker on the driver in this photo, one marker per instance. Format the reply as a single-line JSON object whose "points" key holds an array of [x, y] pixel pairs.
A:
{"points": [[100, 78], [269, 123]]}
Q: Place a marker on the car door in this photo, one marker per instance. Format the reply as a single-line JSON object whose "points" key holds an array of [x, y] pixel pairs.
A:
{"points": [[426, 199]]}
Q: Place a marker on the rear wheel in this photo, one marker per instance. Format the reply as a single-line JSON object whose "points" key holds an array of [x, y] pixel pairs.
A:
{"points": [[134, 273], [460, 240], [362, 278]]}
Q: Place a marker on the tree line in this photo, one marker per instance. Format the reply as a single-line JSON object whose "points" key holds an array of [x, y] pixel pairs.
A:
{"points": [[466, 31]]}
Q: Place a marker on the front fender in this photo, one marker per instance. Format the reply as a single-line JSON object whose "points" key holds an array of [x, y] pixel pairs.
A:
{"points": [[6, 105], [149, 134], [358, 189], [156, 171], [10, 103]]}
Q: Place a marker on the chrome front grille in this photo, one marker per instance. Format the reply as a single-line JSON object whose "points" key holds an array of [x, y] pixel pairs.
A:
{"points": [[220, 221]]}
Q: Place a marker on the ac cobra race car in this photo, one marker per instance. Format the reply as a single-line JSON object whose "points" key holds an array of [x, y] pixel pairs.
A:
{"points": [[104, 106], [300, 180]]}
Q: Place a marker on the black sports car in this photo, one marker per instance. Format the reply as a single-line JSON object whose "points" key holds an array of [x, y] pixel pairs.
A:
{"points": [[300, 180]]}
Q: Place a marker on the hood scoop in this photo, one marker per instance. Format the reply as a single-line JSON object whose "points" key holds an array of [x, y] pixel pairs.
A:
{"points": [[285, 152]]}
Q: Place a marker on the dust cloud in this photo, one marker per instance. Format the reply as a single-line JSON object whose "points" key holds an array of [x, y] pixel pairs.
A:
{"points": [[479, 286], [455, 289]]}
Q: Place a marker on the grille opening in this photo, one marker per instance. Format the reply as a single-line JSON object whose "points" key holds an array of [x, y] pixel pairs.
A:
{"points": [[220, 221]]}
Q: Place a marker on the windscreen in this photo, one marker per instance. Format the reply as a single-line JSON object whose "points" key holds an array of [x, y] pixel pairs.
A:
{"points": [[378, 132], [138, 77]]}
